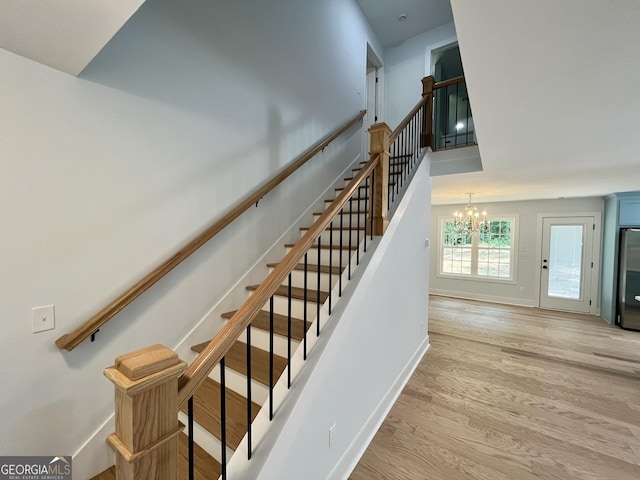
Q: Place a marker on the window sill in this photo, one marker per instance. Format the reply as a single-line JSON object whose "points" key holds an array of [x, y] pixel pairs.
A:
{"points": [[476, 278]]}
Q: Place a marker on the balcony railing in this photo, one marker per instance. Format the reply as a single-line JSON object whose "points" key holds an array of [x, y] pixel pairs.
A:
{"points": [[452, 117]]}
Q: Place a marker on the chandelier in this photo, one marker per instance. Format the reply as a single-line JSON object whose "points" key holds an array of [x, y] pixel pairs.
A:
{"points": [[470, 221]]}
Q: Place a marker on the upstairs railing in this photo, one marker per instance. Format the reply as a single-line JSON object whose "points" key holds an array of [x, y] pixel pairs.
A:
{"points": [[394, 156], [452, 116], [72, 339]]}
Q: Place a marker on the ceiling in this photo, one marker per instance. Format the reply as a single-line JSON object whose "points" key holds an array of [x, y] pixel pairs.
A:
{"points": [[63, 34], [421, 15], [553, 83], [554, 86]]}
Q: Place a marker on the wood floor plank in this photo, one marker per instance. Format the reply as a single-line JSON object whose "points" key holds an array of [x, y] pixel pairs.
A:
{"points": [[514, 393]]}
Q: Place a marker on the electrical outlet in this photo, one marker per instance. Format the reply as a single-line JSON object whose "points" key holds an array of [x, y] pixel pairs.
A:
{"points": [[332, 435], [42, 319]]}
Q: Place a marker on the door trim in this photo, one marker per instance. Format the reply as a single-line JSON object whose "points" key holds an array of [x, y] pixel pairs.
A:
{"points": [[594, 309]]}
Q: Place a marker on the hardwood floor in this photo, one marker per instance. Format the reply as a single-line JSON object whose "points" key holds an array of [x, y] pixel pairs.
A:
{"points": [[514, 393]]}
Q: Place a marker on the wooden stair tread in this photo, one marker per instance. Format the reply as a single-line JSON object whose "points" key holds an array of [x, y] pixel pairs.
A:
{"points": [[346, 212], [355, 199], [205, 467], [236, 359], [108, 474], [280, 324], [324, 247], [312, 268], [298, 293], [206, 412], [345, 228]]}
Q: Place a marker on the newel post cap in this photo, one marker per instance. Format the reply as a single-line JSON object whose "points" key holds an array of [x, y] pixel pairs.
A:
{"points": [[427, 85], [143, 369]]}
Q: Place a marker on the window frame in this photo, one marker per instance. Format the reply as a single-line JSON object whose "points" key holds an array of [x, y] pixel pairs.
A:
{"points": [[475, 248]]}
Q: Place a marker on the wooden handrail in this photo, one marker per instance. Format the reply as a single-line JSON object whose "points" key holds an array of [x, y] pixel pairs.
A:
{"points": [[229, 333], [447, 83], [71, 340], [405, 121]]}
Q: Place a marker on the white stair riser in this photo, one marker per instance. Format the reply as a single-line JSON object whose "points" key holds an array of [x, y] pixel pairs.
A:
{"points": [[208, 442], [297, 308], [354, 205], [297, 279], [346, 218], [238, 383], [260, 339], [334, 239], [312, 257]]}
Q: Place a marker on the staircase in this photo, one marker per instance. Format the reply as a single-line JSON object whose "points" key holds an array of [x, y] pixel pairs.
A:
{"points": [[234, 385], [304, 300]]}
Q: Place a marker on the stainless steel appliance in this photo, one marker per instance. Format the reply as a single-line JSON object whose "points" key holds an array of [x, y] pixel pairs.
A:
{"points": [[629, 279]]}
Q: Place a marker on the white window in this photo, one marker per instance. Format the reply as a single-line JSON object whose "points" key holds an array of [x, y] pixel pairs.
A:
{"points": [[489, 254]]}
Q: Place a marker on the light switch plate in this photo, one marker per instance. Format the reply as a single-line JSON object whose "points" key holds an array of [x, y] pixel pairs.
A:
{"points": [[42, 319]]}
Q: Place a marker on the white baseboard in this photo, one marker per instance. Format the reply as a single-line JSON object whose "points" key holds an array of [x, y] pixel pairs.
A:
{"points": [[95, 456], [352, 456], [520, 302]]}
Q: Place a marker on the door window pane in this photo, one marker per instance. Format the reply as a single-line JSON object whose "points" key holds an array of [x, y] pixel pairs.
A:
{"points": [[565, 261]]}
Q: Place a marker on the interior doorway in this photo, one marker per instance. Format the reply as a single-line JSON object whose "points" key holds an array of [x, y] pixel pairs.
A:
{"points": [[373, 92]]}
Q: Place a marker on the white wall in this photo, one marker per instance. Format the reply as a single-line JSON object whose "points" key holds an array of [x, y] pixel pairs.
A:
{"points": [[191, 106], [527, 212], [406, 64], [376, 336]]}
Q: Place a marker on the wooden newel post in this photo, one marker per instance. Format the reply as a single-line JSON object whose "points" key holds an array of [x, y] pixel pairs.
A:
{"points": [[427, 119], [380, 133], [146, 402]]}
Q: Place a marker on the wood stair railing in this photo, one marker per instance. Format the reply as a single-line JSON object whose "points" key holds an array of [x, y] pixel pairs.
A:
{"points": [[72, 339], [360, 209]]}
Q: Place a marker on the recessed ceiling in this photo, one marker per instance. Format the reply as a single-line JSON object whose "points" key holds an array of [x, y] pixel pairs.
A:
{"points": [[421, 15]]}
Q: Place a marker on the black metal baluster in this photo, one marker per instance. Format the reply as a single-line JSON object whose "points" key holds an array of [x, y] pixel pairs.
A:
{"points": [[304, 318], [405, 169], [318, 292], [435, 126], [249, 412], [357, 232], [271, 358], [399, 178], [190, 442], [417, 135], [446, 110], [340, 254], [373, 192], [330, 260], [289, 333], [366, 212], [468, 118], [350, 229], [456, 121], [394, 153], [223, 421]]}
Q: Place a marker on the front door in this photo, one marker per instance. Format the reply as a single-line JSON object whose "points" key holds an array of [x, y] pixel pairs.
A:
{"points": [[567, 264]]}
